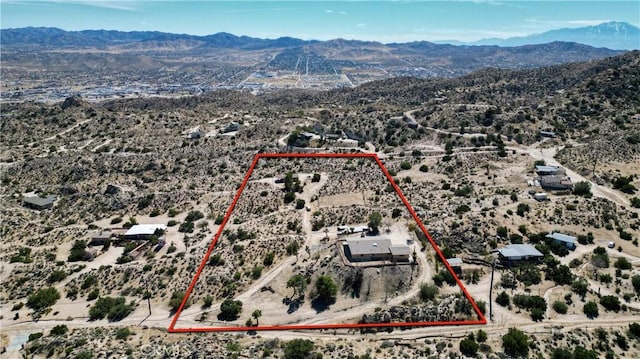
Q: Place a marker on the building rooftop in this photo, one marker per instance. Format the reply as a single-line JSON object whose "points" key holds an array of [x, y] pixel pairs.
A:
{"points": [[40, 201], [400, 250], [101, 235], [379, 245], [562, 237], [549, 169], [454, 261], [144, 229], [520, 250], [555, 179]]}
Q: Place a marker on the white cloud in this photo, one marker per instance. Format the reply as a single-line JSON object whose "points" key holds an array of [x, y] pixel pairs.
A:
{"points": [[328, 11], [342, 12], [361, 25], [106, 4], [587, 22], [542, 24]]}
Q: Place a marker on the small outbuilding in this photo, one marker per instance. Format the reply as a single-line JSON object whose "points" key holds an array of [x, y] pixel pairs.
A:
{"points": [[100, 238], [550, 170], [456, 265], [566, 240]]}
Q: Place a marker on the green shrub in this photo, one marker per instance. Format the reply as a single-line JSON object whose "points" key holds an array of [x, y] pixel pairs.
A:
{"points": [[560, 307], [43, 299], [123, 333], [59, 330]]}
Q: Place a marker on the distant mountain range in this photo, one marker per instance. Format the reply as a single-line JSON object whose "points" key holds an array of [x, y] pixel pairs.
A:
{"points": [[157, 63], [611, 35]]}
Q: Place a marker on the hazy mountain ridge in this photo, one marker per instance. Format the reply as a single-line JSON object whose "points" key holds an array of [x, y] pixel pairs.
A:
{"points": [[611, 35]]}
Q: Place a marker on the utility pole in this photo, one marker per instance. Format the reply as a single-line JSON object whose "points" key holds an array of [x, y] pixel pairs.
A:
{"points": [[493, 267]]}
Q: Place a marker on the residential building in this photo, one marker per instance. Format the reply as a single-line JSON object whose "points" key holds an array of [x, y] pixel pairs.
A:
{"points": [[99, 238], [375, 249], [39, 203], [558, 183], [564, 239], [547, 134], [144, 231], [518, 253]]}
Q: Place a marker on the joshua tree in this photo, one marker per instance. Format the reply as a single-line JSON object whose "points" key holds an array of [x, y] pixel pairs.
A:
{"points": [[256, 314]]}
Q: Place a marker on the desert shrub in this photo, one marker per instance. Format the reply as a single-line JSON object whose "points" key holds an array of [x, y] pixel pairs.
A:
{"points": [[428, 292], [123, 333], [176, 299], [515, 343], [610, 302], [468, 347], [115, 309], [591, 310], [503, 299], [582, 188], [230, 310], [43, 299], [193, 216], [298, 349], [59, 330], [560, 307], [57, 276]]}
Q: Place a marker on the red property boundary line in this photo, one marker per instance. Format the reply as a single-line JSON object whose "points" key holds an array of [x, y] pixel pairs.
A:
{"points": [[481, 318]]}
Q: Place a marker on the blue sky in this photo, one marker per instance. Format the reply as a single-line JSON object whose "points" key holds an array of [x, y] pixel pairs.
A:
{"points": [[384, 21]]}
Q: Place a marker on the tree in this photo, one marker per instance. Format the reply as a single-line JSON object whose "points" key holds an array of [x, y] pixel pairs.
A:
{"points": [[481, 336], [256, 314], [230, 310], [299, 283], [78, 252], [580, 287], [561, 275], [326, 289], [59, 330], [468, 347], [114, 309], [289, 197], [582, 188], [298, 349], [268, 259], [503, 299], [515, 343], [300, 203], [316, 177], [635, 281], [591, 310], [43, 299], [622, 263], [610, 302], [560, 307], [292, 248], [176, 299], [561, 353], [375, 219]]}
